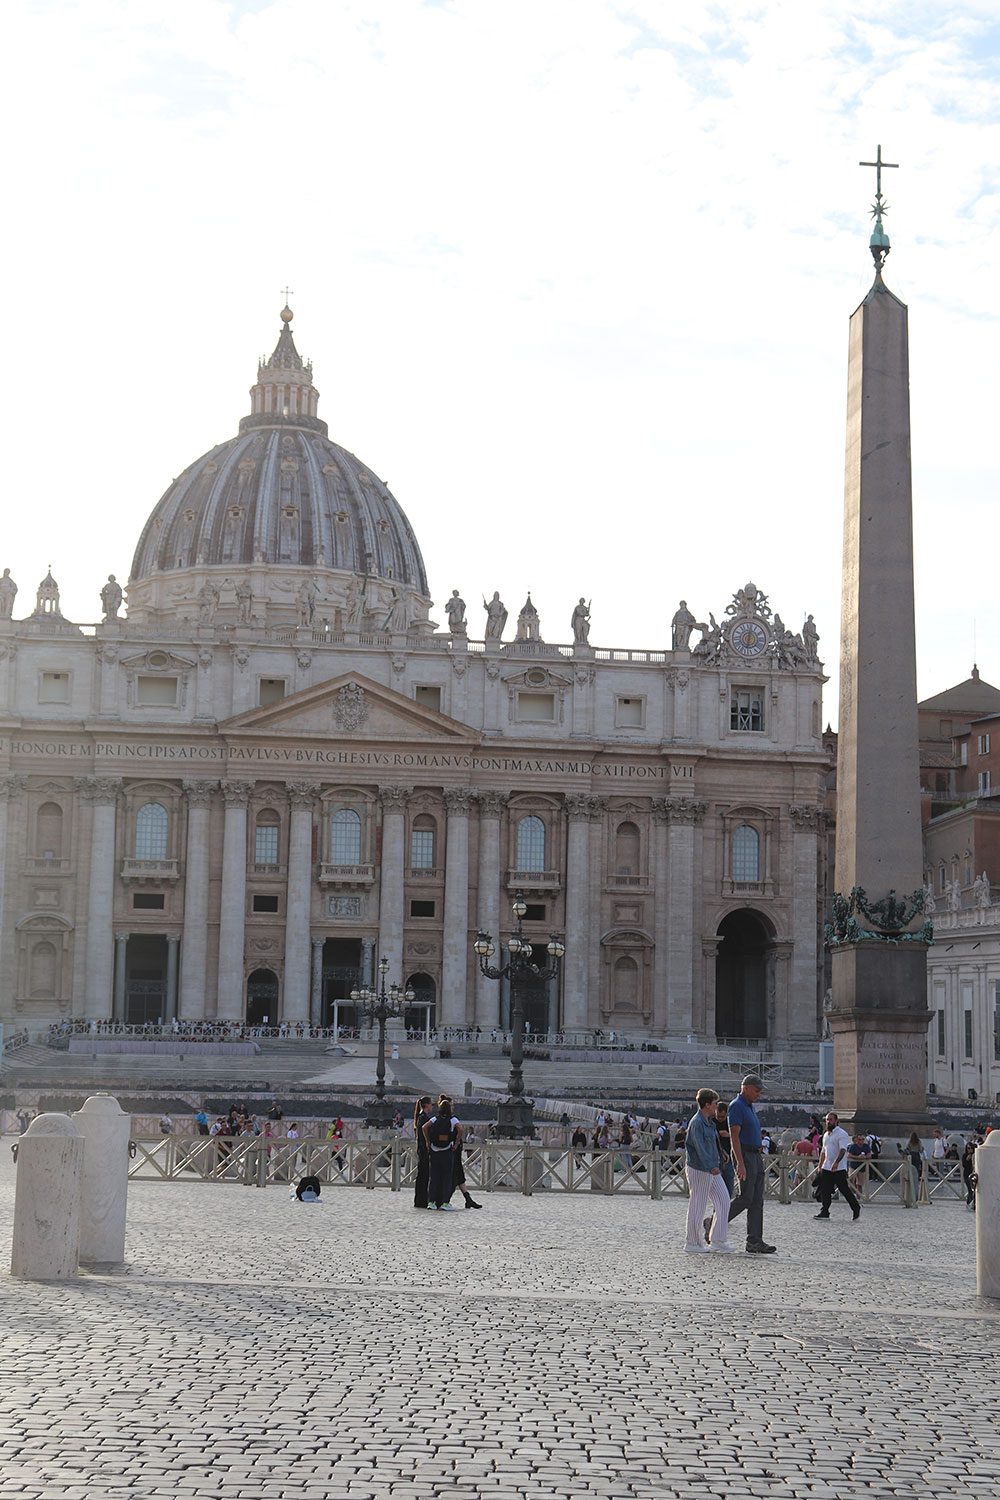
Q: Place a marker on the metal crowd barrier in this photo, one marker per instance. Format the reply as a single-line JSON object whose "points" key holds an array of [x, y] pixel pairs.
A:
{"points": [[513, 1166]]}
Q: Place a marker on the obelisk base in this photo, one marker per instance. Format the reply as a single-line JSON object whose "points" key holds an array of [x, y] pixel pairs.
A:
{"points": [[879, 1027]]}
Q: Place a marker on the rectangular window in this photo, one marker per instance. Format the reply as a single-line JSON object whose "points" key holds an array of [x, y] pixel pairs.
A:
{"points": [[270, 690], [984, 781], [156, 691], [535, 911], [630, 713], [422, 849], [146, 901], [940, 1033], [963, 752], [983, 744], [746, 709], [536, 708], [265, 903], [265, 850], [53, 687], [968, 1035], [428, 697], [421, 908]]}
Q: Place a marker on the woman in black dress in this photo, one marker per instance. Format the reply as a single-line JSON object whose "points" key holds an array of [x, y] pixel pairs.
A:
{"points": [[421, 1114]]}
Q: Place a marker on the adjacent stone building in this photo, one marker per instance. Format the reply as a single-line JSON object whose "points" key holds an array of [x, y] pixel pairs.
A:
{"points": [[276, 768]]}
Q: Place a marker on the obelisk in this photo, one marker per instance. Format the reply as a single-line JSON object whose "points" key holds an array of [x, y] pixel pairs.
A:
{"points": [[878, 938]]}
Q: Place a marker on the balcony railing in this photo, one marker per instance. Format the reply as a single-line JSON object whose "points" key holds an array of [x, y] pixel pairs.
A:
{"points": [[424, 872], [627, 882], [48, 865], [268, 869], [748, 887], [533, 880], [150, 869], [346, 875]]}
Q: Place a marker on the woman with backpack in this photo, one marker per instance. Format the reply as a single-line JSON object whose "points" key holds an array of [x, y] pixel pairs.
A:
{"points": [[443, 1134], [458, 1169], [422, 1112]]}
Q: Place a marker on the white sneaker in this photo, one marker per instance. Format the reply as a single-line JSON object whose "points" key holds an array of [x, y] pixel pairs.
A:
{"points": [[724, 1249], [695, 1249]]}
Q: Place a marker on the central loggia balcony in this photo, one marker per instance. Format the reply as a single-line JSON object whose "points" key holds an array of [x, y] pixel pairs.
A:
{"points": [[150, 869], [533, 880], [347, 877]]}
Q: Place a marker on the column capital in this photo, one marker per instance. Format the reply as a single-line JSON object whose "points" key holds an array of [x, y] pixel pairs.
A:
{"points": [[578, 805], [174, 938], [688, 810], [101, 790], [492, 804], [660, 809], [394, 797], [458, 800], [301, 793], [598, 807], [12, 786], [199, 793], [805, 814], [237, 793]]}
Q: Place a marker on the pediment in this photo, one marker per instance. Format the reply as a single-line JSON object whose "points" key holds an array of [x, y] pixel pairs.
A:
{"points": [[349, 707], [538, 678]]}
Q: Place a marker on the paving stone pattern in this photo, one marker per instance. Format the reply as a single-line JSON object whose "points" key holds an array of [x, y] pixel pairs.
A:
{"points": [[558, 1346]]}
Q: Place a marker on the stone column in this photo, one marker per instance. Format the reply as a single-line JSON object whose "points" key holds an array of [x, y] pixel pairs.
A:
{"points": [[491, 806], [298, 903], [808, 825], [391, 875], [102, 793], [367, 960], [194, 945], [576, 965], [232, 921], [11, 787], [662, 897], [170, 1011], [683, 813], [316, 997], [598, 811], [118, 1008], [455, 956]]}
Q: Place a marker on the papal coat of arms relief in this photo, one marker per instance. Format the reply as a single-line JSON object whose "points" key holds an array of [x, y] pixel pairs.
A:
{"points": [[350, 707]]}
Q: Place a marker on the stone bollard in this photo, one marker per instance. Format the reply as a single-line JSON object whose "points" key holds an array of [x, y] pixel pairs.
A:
{"points": [[988, 1217], [105, 1129], [46, 1241]]}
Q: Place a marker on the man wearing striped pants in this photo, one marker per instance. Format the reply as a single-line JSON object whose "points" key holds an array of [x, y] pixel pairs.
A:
{"points": [[705, 1181]]}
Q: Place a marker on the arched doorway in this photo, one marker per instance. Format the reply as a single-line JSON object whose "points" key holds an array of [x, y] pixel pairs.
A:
{"points": [[741, 967], [421, 1017], [262, 998]]}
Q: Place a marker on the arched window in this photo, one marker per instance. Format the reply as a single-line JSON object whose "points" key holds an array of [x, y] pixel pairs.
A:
{"points": [[422, 842], [266, 831], [48, 831], [42, 977], [151, 827], [531, 845], [746, 853], [345, 837], [626, 983], [627, 849]]}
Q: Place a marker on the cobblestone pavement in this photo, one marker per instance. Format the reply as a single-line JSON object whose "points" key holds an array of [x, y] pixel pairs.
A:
{"points": [[558, 1346]]}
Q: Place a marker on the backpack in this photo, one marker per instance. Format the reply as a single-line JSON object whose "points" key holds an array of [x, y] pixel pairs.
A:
{"points": [[441, 1131], [874, 1146]]}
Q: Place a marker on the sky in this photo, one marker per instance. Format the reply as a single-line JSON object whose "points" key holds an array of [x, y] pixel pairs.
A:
{"points": [[574, 275]]}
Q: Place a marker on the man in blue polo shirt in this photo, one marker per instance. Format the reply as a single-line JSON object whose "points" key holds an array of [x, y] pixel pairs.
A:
{"points": [[745, 1135]]}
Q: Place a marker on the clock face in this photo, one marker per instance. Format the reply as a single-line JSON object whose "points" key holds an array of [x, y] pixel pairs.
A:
{"points": [[748, 638]]}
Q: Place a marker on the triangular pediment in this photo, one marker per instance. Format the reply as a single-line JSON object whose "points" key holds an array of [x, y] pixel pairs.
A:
{"points": [[349, 707]]}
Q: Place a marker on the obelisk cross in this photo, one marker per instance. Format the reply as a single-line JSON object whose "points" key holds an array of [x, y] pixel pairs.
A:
{"points": [[880, 207]]}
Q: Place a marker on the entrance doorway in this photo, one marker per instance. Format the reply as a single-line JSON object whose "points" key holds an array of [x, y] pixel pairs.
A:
{"points": [[420, 1018], [341, 975], [262, 998], [145, 979], [741, 975]]}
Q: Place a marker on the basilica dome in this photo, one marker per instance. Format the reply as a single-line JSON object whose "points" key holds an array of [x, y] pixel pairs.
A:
{"points": [[278, 496]]}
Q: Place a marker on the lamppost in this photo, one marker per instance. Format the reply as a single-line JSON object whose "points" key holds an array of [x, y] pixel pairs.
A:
{"points": [[515, 1113], [379, 1005]]}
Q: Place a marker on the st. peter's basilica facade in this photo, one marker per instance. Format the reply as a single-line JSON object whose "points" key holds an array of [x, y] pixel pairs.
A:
{"points": [[275, 769]]}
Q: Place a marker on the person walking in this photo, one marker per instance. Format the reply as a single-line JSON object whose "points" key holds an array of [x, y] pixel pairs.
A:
{"points": [[705, 1181], [745, 1134], [720, 1119], [969, 1173], [422, 1112], [442, 1133], [833, 1162]]}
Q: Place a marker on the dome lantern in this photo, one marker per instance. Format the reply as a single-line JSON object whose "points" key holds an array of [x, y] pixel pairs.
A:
{"points": [[284, 393]]}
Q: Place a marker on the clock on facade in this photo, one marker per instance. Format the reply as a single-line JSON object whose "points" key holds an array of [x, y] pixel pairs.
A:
{"points": [[748, 638]]}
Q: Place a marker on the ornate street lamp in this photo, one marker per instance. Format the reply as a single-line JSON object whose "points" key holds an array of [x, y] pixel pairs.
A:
{"points": [[515, 1114], [379, 1006]]}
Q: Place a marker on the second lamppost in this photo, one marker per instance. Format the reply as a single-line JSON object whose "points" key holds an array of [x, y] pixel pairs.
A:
{"points": [[515, 1114], [379, 1006]]}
